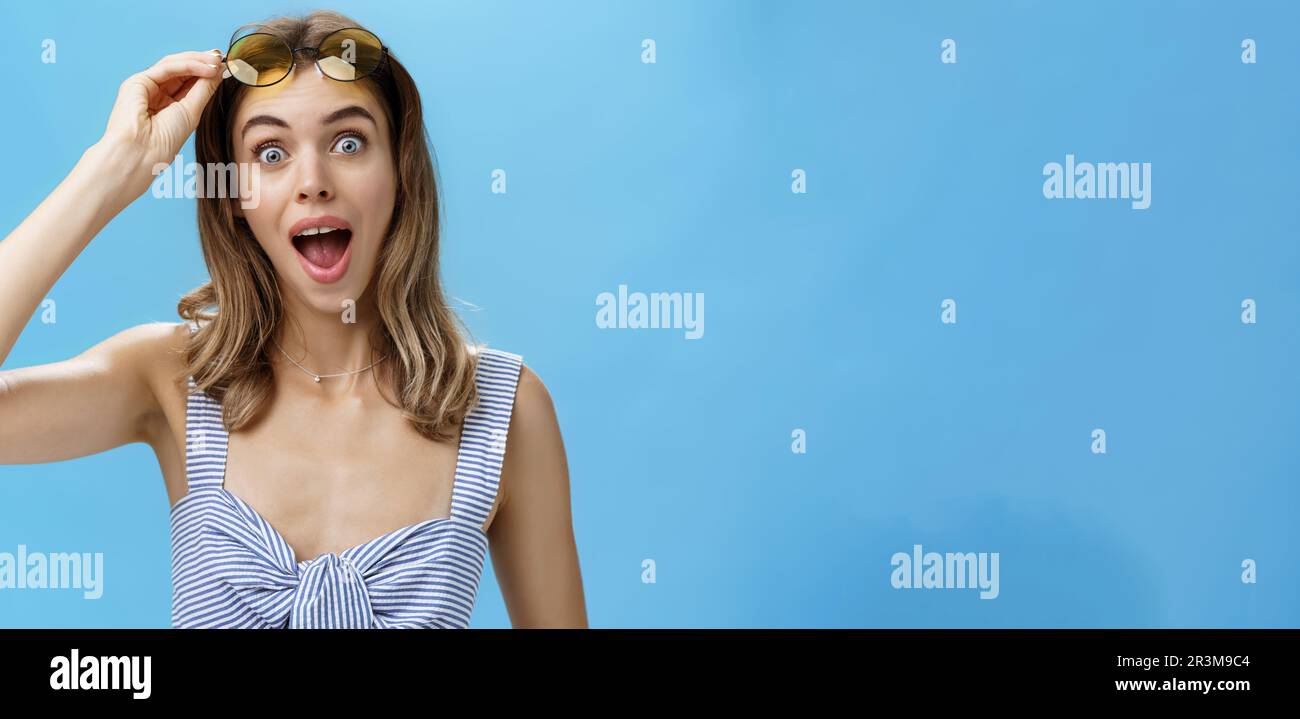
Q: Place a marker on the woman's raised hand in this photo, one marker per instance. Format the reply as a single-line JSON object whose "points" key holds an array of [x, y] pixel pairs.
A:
{"points": [[157, 110]]}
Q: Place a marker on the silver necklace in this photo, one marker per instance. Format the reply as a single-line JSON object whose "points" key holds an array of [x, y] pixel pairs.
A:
{"points": [[318, 377]]}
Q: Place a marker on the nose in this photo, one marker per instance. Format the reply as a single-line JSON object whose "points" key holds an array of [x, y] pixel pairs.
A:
{"points": [[314, 182]]}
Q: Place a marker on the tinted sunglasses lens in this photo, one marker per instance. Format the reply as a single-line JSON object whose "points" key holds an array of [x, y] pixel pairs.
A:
{"points": [[259, 59], [350, 54]]}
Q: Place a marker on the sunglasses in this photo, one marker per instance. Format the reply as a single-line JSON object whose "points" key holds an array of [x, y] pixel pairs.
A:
{"points": [[260, 59]]}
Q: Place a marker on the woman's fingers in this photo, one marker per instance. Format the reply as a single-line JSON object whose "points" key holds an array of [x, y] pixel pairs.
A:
{"points": [[166, 75], [159, 107], [173, 79], [193, 96], [182, 64]]}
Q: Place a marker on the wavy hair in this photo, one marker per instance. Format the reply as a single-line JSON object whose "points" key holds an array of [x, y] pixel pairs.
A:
{"points": [[431, 368]]}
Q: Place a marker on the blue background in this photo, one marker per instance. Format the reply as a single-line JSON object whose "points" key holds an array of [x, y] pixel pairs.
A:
{"points": [[823, 309]]}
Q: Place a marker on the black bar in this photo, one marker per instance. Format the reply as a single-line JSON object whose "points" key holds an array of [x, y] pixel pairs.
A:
{"points": [[936, 666]]}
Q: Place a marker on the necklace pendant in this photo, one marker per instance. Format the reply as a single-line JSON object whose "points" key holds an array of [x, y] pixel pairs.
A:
{"points": [[317, 378]]}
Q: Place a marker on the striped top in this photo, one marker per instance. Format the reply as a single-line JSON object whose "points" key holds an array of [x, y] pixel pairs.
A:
{"points": [[232, 569]]}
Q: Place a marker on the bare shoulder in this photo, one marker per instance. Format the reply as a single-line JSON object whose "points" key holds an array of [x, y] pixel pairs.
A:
{"points": [[147, 338], [156, 352], [141, 353], [532, 398], [534, 440], [533, 421], [155, 349]]}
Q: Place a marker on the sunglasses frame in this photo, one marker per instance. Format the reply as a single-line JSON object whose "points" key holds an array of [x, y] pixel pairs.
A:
{"points": [[293, 53]]}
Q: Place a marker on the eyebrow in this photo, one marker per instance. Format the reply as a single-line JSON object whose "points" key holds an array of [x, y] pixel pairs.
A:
{"points": [[339, 114]]}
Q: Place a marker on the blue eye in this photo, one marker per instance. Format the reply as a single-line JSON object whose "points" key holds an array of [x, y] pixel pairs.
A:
{"points": [[351, 143], [270, 154]]}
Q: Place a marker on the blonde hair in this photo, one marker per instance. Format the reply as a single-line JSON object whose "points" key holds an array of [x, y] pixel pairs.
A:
{"points": [[430, 366]]}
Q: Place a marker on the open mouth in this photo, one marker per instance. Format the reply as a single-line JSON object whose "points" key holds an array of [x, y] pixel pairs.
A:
{"points": [[323, 247]]}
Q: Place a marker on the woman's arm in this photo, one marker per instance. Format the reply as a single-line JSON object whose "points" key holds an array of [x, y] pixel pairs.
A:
{"points": [[533, 550], [102, 398]]}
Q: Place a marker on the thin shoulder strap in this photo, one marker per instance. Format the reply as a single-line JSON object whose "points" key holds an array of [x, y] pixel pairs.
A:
{"points": [[205, 437], [483, 435]]}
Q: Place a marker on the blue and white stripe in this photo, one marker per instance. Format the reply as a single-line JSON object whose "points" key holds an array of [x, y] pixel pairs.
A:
{"points": [[232, 569]]}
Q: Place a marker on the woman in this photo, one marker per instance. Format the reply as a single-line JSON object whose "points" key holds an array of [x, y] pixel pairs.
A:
{"points": [[336, 454]]}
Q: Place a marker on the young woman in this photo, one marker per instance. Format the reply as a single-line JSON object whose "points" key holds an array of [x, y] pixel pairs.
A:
{"points": [[336, 454]]}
